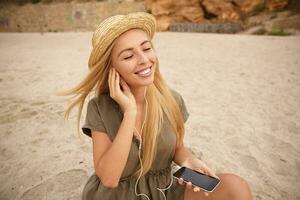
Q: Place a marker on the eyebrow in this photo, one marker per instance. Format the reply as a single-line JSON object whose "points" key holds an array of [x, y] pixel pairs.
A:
{"points": [[131, 48]]}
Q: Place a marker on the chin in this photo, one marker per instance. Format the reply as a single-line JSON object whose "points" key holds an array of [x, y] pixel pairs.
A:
{"points": [[145, 83], [150, 80]]}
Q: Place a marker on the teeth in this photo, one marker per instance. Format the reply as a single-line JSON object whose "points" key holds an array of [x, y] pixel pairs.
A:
{"points": [[145, 71]]}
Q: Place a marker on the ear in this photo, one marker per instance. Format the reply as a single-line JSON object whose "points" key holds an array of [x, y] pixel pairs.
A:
{"points": [[124, 85]]}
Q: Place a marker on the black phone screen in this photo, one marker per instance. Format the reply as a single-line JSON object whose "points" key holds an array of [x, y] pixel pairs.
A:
{"points": [[207, 183]]}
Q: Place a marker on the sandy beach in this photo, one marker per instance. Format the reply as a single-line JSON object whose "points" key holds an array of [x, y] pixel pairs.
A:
{"points": [[242, 93]]}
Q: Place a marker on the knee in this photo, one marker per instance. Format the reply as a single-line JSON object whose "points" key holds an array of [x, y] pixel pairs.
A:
{"points": [[236, 186], [236, 180]]}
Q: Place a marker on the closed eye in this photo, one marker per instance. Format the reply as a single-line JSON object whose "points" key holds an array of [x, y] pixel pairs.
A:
{"points": [[147, 49], [128, 57]]}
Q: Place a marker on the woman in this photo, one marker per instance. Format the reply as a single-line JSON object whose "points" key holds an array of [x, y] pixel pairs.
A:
{"points": [[136, 121]]}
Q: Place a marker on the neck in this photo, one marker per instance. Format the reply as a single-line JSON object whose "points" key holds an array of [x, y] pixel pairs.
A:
{"points": [[138, 94]]}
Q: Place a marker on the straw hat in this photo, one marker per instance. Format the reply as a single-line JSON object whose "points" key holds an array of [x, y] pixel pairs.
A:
{"points": [[110, 28]]}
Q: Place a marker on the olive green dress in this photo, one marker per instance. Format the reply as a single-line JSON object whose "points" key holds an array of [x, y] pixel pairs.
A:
{"points": [[104, 114]]}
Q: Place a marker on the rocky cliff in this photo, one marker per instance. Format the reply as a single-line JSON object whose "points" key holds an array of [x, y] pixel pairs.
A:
{"points": [[198, 11]]}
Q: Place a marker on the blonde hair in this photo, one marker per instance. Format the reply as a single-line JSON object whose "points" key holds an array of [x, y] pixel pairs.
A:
{"points": [[160, 102]]}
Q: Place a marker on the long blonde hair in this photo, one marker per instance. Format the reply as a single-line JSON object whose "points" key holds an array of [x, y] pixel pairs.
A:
{"points": [[160, 102]]}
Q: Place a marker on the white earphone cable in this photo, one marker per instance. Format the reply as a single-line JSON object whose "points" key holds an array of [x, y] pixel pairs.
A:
{"points": [[140, 148], [135, 188], [141, 163]]}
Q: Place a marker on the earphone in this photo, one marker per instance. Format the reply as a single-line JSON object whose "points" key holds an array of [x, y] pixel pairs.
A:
{"points": [[141, 163]]}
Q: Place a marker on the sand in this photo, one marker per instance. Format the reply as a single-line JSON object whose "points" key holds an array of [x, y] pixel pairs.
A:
{"points": [[242, 93]]}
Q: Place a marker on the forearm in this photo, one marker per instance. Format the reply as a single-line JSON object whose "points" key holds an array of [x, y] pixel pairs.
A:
{"points": [[113, 162], [182, 154]]}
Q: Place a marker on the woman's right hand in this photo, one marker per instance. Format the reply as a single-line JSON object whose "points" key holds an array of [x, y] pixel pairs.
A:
{"points": [[124, 98]]}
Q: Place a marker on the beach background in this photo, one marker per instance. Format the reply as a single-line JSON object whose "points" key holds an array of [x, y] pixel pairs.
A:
{"points": [[242, 92]]}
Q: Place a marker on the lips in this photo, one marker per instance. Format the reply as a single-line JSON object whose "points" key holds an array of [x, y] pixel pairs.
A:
{"points": [[143, 69], [144, 72]]}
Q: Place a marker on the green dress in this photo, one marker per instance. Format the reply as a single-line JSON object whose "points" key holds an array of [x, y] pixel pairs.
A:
{"points": [[104, 114]]}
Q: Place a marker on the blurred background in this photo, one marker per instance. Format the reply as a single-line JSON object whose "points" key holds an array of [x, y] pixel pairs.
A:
{"points": [[261, 17]]}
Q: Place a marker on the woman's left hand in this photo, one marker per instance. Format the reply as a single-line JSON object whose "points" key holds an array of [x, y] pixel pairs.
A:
{"points": [[197, 165]]}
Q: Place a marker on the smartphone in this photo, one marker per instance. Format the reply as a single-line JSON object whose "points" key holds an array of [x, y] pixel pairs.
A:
{"points": [[198, 179]]}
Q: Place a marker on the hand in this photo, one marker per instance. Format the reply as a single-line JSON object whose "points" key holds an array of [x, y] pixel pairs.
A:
{"points": [[197, 165], [123, 97]]}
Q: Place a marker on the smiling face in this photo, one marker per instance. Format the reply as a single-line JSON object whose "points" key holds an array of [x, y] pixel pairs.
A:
{"points": [[134, 58]]}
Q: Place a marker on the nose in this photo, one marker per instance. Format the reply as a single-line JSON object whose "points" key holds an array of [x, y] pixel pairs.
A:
{"points": [[142, 58]]}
